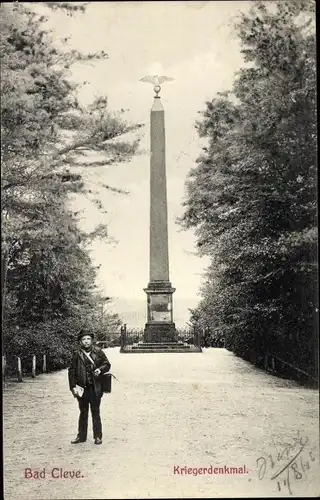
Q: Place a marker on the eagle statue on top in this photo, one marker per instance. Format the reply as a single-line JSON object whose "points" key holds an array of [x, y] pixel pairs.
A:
{"points": [[156, 81]]}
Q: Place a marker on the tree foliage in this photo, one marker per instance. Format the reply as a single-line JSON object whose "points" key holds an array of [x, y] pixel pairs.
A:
{"points": [[251, 199], [48, 280]]}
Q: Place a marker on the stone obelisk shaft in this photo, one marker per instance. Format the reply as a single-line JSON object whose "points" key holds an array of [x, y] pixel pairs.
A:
{"points": [[160, 328], [160, 334], [159, 255]]}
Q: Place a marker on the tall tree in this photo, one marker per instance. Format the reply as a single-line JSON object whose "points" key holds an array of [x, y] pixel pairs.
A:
{"points": [[46, 133], [252, 196]]}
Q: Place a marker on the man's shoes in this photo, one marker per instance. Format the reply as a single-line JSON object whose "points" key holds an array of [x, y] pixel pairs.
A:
{"points": [[78, 440], [97, 441]]}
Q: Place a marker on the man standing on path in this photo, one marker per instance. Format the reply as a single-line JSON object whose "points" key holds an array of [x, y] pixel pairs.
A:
{"points": [[88, 364]]}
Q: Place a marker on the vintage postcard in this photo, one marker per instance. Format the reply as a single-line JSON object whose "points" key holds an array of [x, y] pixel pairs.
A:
{"points": [[159, 250]]}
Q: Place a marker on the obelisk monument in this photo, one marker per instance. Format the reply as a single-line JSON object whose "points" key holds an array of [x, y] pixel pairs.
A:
{"points": [[160, 333], [160, 327]]}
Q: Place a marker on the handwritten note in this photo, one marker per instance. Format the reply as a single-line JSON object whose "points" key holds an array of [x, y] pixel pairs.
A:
{"points": [[287, 465]]}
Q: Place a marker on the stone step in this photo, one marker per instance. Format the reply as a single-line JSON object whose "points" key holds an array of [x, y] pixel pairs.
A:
{"points": [[159, 344], [163, 346], [157, 350], [143, 347]]}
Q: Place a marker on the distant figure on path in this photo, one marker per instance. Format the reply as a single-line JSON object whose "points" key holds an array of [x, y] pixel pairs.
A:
{"points": [[88, 364]]}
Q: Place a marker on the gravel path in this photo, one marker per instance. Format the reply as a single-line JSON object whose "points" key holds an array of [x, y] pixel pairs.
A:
{"points": [[193, 410]]}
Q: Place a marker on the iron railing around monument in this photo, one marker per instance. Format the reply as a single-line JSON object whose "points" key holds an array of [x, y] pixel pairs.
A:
{"points": [[202, 337], [209, 337], [121, 338], [130, 337], [112, 339]]}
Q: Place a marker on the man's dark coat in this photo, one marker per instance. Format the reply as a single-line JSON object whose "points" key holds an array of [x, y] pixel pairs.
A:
{"points": [[77, 371]]}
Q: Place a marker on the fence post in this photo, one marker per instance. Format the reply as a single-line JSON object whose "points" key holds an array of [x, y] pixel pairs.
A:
{"points": [[34, 366], [19, 370], [125, 334], [199, 339], [44, 364], [122, 344], [121, 338], [266, 361]]}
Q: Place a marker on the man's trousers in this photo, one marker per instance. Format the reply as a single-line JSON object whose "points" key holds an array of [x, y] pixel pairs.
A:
{"points": [[89, 398]]}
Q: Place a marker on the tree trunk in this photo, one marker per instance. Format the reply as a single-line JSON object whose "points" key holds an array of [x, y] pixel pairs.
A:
{"points": [[4, 269], [316, 344]]}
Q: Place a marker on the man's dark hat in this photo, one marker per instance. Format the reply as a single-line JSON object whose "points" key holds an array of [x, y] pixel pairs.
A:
{"points": [[83, 333]]}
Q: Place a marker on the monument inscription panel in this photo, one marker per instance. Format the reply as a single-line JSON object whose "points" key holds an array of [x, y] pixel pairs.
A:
{"points": [[160, 307]]}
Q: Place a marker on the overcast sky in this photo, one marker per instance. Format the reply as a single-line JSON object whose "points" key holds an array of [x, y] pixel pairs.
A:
{"points": [[193, 42]]}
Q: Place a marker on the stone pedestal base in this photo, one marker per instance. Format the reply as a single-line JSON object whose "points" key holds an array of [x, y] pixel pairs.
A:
{"points": [[160, 333], [160, 337]]}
